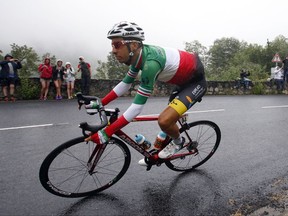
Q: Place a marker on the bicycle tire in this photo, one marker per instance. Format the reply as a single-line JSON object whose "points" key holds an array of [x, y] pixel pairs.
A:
{"points": [[208, 135], [64, 172]]}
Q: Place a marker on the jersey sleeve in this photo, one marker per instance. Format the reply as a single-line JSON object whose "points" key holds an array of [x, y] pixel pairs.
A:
{"points": [[149, 75], [122, 87]]}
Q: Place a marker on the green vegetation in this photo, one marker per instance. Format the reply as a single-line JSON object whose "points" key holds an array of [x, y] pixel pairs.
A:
{"points": [[27, 90], [258, 89], [227, 56], [111, 69], [223, 61]]}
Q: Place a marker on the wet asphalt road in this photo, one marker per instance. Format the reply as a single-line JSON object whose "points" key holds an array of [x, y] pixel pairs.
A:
{"points": [[252, 154]]}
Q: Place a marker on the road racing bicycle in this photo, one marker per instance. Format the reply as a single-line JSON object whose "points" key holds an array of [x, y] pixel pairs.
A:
{"points": [[78, 168]]}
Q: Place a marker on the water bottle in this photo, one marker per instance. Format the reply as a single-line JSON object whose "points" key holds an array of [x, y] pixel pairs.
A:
{"points": [[143, 142], [158, 144]]}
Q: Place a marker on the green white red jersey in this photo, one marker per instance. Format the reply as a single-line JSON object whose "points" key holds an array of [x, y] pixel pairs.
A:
{"points": [[154, 63]]}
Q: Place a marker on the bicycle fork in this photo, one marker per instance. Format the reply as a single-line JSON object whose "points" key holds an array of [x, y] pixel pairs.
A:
{"points": [[98, 151]]}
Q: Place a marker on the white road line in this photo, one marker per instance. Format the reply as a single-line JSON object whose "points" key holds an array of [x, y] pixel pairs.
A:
{"points": [[31, 126], [272, 107]]}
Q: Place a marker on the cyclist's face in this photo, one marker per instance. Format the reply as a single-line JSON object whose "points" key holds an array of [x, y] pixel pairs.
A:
{"points": [[120, 49]]}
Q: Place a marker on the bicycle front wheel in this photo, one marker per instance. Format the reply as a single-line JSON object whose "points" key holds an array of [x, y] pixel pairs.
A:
{"points": [[65, 171], [206, 136]]}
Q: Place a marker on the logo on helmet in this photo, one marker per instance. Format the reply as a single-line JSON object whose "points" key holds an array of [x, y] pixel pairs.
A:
{"points": [[131, 33]]}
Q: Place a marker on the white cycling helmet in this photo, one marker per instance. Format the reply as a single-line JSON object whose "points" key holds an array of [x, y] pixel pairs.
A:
{"points": [[126, 30]]}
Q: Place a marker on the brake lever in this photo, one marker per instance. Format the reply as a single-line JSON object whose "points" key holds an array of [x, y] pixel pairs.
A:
{"points": [[80, 103], [80, 100]]}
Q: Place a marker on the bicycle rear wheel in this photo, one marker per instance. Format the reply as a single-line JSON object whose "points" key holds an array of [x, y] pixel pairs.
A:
{"points": [[65, 171], [206, 136]]}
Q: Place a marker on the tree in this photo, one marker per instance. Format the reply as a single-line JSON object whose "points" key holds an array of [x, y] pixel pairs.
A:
{"points": [[112, 69], [101, 70], [202, 51], [249, 58], [28, 58], [222, 51], [280, 45]]}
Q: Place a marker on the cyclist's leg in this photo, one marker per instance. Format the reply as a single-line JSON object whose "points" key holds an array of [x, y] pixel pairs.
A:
{"points": [[183, 100], [180, 101]]}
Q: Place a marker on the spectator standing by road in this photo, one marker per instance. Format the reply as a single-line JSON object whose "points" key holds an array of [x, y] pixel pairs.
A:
{"points": [[243, 76], [69, 74], [285, 68], [9, 76], [45, 70], [57, 76], [86, 73], [278, 76]]}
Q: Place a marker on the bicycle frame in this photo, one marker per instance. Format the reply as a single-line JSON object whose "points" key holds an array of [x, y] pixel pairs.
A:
{"points": [[127, 139], [153, 158], [123, 136]]}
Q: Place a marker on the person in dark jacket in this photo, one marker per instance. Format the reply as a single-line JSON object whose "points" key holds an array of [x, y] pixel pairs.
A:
{"points": [[85, 69], [285, 69], [9, 76], [57, 76]]}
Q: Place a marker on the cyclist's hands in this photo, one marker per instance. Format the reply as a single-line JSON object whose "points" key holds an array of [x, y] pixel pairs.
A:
{"points": [[99, 138], [92, 105]]}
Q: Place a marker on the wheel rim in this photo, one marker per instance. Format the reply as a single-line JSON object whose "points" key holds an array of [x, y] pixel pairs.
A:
{"points": [[207, 136], [68, 172]]}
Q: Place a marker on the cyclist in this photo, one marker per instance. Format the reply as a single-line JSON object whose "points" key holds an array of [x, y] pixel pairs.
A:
{"points": [[169, 65]]}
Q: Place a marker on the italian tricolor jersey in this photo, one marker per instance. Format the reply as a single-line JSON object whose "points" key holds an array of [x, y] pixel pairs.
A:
{"points": [[155, 63], [164, 64]]}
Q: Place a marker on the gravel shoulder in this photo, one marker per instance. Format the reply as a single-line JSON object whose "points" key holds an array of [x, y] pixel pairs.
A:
{"points": [[271, 200]]}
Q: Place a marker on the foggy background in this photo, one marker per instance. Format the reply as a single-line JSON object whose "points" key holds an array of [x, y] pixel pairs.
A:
{"points": [[69, 28]]}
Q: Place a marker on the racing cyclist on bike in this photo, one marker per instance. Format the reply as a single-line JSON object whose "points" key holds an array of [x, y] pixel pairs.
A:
{"points": [[168, 65]]}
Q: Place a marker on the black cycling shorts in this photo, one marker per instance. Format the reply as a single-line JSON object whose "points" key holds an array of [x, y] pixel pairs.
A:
{"points": [[184, 97]]}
